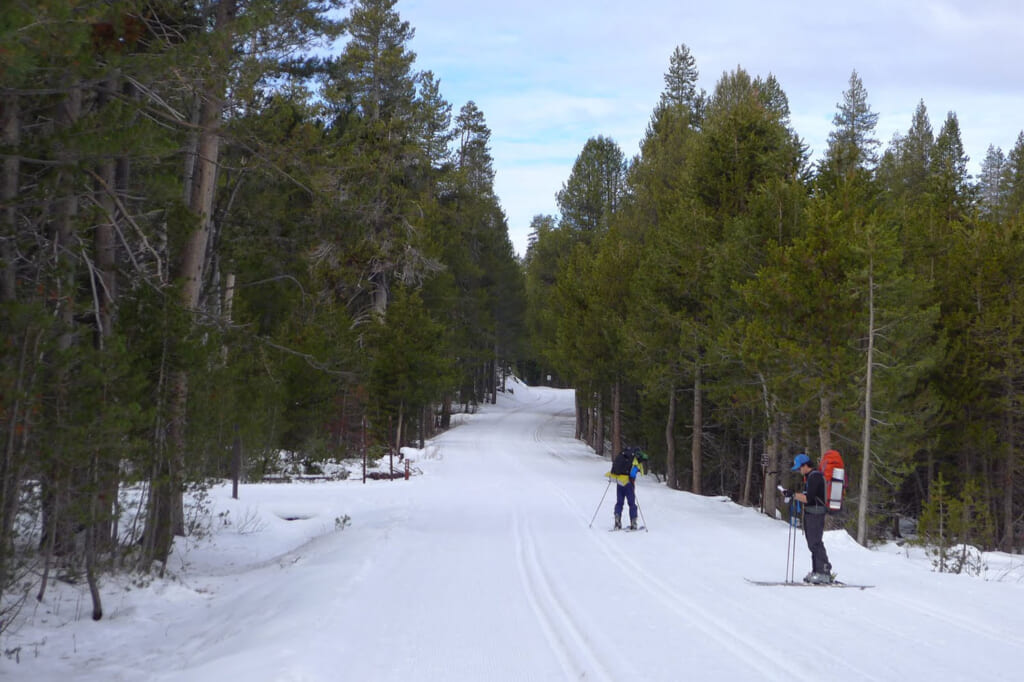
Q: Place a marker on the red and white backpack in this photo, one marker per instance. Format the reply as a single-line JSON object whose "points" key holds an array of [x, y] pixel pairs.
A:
{"points": [[834, 470]]}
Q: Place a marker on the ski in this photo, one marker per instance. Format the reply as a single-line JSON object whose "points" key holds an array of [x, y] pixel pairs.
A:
{"points": [[780, 583], [627, 529]]}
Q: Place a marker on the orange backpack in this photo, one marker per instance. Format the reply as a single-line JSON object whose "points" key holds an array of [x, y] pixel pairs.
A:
{"points": [[835, 479]]}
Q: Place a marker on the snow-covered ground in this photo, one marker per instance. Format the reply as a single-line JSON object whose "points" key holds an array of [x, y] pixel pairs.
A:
{"points": [[485, 567]]}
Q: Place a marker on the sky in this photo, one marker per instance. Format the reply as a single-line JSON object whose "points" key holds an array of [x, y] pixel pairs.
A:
{"points": [[494, 561], [549, 75]]}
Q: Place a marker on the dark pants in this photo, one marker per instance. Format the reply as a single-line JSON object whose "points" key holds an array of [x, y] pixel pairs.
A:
{"points": [[814, 528], [625, 492]]}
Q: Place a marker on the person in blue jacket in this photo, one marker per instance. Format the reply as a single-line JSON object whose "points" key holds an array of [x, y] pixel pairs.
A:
{"points": [[813, 499], [625, 468]]}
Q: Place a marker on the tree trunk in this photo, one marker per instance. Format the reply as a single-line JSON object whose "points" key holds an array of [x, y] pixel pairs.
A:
{"points": [[771, 448], [696, 454], [236, 463], [616, 418], [398, 440], [771, 479], [91, 544], [104, 247], [580, 427], [496, 376], [10, 465], [1010, 457], [112, 180], [193, 261], [57, 471], [832, 521], [10, 129], [865, 477], [424, 426], [825, 422], [670, 440], [190, 270], [749, 478], [12, 471]]}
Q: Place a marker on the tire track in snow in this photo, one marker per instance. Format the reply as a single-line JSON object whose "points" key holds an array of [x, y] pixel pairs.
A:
{"points": [[577, 657]]}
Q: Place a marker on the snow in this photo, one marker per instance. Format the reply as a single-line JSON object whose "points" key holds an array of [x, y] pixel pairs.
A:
{"points": [[484, 566]]}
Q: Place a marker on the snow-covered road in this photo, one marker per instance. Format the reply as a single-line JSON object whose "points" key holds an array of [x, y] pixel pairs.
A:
{"points": [[485, 567]]}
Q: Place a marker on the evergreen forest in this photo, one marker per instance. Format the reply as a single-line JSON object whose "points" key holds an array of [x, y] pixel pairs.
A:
{"points": [[231, 229]]}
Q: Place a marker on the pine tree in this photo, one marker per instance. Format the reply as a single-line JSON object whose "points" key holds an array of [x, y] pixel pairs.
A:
{"points": [[852, 145], [593, 190], [588, 201], [990, 362], [992, 196], [951, 185], [372, 97], [680, 94], [673, 236], [546, 254], [472, 151], [747, 179], [435, 114], [916, 152], [1014, 179]]}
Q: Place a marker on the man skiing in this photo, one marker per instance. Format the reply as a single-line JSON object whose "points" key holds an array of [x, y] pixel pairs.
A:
{"points": [[813, 499], [625, 468]]}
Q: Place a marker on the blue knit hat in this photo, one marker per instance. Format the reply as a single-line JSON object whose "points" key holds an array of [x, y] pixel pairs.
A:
{"points": [[799, 461]]}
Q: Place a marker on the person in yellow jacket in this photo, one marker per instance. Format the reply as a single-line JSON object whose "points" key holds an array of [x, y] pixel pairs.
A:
{"points": [[625, 468]]}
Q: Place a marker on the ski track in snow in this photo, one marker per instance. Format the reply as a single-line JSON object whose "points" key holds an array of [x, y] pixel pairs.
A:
{"points": [[759, 656], [752, 652], [576, 652], [967, 624], [568, 639], [756, 655]]}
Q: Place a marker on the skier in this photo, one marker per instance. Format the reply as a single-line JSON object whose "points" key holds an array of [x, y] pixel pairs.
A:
{"points": [[625, 467], [813, 499]]}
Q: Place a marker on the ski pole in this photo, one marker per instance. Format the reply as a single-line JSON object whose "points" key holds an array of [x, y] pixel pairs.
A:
{"points": [[790, 548], [637, 502], [789, 538], [600, 503], [792, 552], [797, 523]]}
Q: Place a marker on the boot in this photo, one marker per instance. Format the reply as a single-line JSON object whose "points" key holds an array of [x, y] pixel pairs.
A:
{"points": [[632, 524], [618, 522]]}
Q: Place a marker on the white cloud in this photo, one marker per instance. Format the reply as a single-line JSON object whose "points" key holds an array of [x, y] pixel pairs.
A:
{"points": [[526, 191], [550, 75]]}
